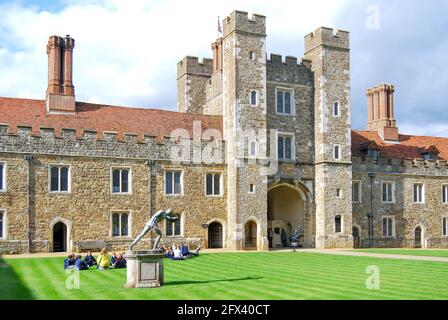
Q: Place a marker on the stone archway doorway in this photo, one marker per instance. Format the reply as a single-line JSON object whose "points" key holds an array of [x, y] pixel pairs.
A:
{"points": [[250, 235], [418, 237], [60, 237], [215, 235], [286, 215]]}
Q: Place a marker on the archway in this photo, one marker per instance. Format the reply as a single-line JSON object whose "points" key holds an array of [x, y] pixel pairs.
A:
{"points": [[215, 235], [356, 237], [250, 235], [60, 237], [418, 237], [286, 214]]}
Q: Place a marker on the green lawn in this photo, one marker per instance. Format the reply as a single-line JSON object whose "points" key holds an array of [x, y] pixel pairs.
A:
{"points": [[409, 252], [236, 276]]}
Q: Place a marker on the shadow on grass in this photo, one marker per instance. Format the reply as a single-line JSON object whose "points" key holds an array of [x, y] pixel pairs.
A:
{"points": [[11, 285], [174, 283]]}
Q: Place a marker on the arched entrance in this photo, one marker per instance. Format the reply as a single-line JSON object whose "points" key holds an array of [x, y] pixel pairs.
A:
{"points": [[286, 214], [418, 237], [215, 235], [356, 237], [60, 237], [250, 235]]}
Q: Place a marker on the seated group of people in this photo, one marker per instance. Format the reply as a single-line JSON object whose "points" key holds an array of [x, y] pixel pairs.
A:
{"points": [[180, 252], [104, 261]]}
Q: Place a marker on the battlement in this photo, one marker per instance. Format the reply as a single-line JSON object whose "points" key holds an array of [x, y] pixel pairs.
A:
{"points": [[92, 143], [191, 65], [327, 37], [279, 59], [240, 21]]}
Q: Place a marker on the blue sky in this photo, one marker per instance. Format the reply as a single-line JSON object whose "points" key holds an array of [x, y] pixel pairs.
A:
{"points": [[126, 51]]}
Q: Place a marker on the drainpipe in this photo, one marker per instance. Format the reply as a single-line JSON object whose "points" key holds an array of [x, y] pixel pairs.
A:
{"points": [[29, 159], [370, 215]]}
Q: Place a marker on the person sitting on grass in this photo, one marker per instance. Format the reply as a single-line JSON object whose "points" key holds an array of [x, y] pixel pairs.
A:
{"points": [[90, 260], [113, 258], [103, 260], [69, 262], [187, 253], [170, 254], [120, 262], [80, 264]]}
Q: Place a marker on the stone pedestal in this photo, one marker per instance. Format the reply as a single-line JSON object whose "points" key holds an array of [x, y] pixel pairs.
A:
{"points": [[144, 269]]}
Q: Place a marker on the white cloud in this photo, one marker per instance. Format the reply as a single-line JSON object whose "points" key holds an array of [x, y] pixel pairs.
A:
{"points": [[126, 51]]}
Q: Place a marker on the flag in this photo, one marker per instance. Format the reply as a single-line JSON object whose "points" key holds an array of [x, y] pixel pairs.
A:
{"points": [[219, 26]]}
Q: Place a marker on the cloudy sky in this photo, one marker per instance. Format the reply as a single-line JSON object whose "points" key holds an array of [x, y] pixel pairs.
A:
{"points": [[126, 51]]}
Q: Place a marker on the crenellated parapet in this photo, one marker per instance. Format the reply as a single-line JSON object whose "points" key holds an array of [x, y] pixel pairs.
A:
{"points": [[327, 37], [405, 166], [91, 143], [288, 70], [192, 65], [241, 22]]}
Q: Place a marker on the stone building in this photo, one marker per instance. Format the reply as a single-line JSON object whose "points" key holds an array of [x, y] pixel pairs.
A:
{"points": [[261, 147]]}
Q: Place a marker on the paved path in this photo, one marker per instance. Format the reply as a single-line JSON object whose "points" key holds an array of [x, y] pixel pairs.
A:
{"points": [[340, 252], [376, 255]]}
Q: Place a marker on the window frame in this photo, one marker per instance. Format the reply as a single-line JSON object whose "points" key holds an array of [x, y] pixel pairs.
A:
{"points": [[293, 146], [257, 103], [393, 226], [423, 200], [341, 224], [445, 226], [120, 213], [121, 168], [339, 152], [253, 191], [392, 183], [4, 185], [445, 185], [221, 184], [4, 222], [249, 149], [172, 186], [359, 191], [292, 101], [69, 178], [339, 113], [181, 228]]}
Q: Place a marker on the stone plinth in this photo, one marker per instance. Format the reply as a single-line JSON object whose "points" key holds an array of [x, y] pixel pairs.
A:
{"points": [[144, 269]]}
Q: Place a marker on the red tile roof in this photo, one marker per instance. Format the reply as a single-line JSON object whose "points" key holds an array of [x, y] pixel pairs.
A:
{"points": [[407, 146], [153, 122]]}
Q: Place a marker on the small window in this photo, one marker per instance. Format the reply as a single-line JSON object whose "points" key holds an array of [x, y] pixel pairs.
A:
{"points": [[338, 224], [338, 193], [284, 102], [253, 98], [284, 147], [213, 184], [419, 193], [337, 152], [2, 224], [173, 228], [336, 109], [372, 153], [388, 227], [121, 180], [251, 188], [120, 225], [2, 176], [445, 194], [430, 156], [445, 226], [252, 148], [356, 191], [251, 55], [59, 179], [173, 182], [388, 192]]}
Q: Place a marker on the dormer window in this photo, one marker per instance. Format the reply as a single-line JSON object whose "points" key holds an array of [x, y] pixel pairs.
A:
{"points": [[370, 149], [430, 153], [372, 153]]}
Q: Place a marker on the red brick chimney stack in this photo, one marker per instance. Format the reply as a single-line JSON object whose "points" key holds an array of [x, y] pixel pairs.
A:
{"points": [[60, 90], [68, 66], [381, 112], [217, 55]]}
